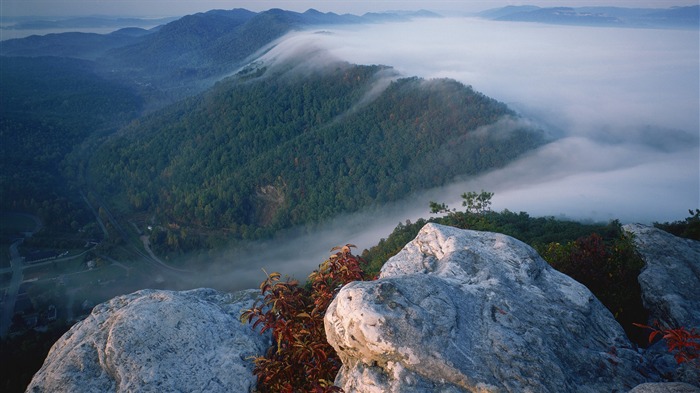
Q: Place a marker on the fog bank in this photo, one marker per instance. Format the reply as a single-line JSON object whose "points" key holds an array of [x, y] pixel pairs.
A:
{"points": [[621, 104], [624, 104]]}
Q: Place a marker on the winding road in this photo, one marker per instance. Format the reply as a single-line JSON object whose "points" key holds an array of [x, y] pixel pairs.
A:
{"points": [[17, 264], [17, 267]]}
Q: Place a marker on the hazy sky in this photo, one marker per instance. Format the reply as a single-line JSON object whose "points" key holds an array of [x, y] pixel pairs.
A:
{"points": [[158, 8]]}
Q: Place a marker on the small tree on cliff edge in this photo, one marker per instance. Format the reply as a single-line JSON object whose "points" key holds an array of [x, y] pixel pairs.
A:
{"points": [[476, 203]]}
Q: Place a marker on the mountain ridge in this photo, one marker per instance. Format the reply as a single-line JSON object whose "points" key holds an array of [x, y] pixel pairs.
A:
{"points": [[674, 17], [318, 145]]}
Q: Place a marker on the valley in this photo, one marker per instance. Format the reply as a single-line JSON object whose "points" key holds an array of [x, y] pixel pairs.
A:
{"points": [[144, 164], [196, 152]]}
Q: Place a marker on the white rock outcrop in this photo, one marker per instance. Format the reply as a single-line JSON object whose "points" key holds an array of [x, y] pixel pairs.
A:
{"points": [[670, 284], [157, 341], [468, 311], [670, 279]]}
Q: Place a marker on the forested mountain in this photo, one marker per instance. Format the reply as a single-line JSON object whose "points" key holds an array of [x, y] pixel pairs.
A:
{"points": [[185, 56], [268, 149], [207, 45], [260, 151], [60, 90], [89, 46], [25, 23], [49, 106]]}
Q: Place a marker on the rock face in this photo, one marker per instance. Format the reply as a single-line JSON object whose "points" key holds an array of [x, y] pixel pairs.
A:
{"points": [[467, 311], [670, 280], [157, 341], [668, 387], [670, 283]]}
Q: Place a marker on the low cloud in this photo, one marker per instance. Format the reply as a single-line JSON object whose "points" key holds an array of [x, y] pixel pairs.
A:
{"points": [[622, 106], [622, 103]]}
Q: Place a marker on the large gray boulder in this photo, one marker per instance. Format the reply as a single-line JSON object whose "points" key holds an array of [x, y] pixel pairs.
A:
{"points": [[157, 341], [670, 279], [468, 311], [670, 284]]}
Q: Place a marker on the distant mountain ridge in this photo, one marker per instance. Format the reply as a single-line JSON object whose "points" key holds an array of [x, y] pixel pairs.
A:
{"points": [[176, 57], [87, 22], [674, 17], [265, 149]]}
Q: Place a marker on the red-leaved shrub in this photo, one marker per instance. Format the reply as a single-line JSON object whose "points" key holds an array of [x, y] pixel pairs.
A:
{"points": [[301, 360], [682, 343]]}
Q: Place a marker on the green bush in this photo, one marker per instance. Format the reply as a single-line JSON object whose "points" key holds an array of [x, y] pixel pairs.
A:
{"points": [[688, 228], [609, 269]]}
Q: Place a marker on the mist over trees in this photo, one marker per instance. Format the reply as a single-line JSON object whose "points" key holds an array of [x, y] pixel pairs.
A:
{"points": [[269, 151], [258, 152]]}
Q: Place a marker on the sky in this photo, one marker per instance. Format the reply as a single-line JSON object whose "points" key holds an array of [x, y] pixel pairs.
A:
{"points": [[163, 8]]}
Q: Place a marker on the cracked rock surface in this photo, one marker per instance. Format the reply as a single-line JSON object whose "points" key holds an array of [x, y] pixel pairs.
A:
{"points": [[468, 311], [670, 279], [670, 284], [157, 341]]}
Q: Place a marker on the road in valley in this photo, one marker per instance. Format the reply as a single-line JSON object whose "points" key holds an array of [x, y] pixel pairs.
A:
{"points": [[149, 256], [17, 266]]}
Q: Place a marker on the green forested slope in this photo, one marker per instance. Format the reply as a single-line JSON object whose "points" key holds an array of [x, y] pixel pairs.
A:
{"points": [[255, 155], [48, 106]]}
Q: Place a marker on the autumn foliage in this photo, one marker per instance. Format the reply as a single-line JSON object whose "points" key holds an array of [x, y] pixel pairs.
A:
{"points": [[609, 268], [682, 343], [301, 360]]}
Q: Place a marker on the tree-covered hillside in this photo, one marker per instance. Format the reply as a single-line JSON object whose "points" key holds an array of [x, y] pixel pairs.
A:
{"points": [[49, 106], [204, 46], [259, 153]]}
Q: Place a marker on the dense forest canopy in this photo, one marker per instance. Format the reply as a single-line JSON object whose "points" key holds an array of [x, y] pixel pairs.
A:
{"points": [[269, 149], [263, 150], [51, 105]]}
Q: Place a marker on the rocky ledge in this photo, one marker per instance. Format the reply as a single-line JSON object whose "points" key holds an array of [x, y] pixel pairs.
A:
{"points": [[157, 341], [468, 311], [670, 283], [454, 311]]}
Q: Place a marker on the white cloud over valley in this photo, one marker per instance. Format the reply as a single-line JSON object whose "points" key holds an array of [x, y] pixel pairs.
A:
{"points": [[622, 104], [625, 103]]}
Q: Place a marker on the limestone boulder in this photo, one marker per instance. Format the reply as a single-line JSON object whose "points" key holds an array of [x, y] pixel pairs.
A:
{"points": [[670, 284], [670, 279], [157, 341], [468, 311]]}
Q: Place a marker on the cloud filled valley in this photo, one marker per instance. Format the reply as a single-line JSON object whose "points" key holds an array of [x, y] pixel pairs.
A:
{"points": [[621, 107], [622, 104]]}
